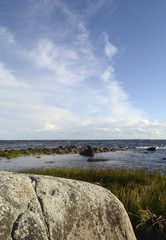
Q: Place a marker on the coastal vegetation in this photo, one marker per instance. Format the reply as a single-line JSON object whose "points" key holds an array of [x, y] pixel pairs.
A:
{"points": [[39, 151], [143, 195], [48, 151]]}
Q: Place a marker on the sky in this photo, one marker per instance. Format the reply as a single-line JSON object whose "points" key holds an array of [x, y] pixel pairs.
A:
{"points": [[85, 69]]}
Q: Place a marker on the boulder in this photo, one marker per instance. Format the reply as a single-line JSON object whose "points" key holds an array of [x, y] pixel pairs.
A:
{"points": [[41, 207], [97, 159], [152, 149], [21, 216], [88, 151]]}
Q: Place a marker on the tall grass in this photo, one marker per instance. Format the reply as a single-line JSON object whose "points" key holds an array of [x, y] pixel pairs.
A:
{"points": [[143, 195]]}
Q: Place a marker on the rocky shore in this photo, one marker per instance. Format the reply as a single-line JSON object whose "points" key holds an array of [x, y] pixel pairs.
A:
{"points": [[86, 151]]}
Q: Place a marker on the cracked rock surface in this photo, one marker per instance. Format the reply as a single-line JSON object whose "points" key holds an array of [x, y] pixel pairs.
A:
{"points": [[36, 207]]}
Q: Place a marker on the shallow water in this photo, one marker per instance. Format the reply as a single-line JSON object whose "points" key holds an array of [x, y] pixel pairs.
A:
{"points": [[128, 159]]}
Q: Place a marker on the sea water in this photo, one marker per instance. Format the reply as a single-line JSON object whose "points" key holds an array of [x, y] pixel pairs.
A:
{"points": [[137, 158]]}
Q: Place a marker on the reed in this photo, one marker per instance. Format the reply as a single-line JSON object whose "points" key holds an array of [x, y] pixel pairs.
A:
{"points": [[143, 195]]}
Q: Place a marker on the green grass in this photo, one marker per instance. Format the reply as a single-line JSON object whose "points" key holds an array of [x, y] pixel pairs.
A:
{"points": [[143, 195]]}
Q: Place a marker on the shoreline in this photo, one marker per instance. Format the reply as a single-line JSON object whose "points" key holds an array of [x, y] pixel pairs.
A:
{"points": [[12, 153], [72, 156]]}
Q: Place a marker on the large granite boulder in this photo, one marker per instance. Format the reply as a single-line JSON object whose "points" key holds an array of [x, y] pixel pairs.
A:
{"points": [[39, 207], [21, 216]]}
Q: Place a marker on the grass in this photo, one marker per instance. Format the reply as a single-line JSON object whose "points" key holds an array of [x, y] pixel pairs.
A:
{"points": [[143, 195]]}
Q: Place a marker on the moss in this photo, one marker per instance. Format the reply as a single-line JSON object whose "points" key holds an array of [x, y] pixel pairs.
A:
{"points": [[12, 154], [97, 151], [48, 153]]}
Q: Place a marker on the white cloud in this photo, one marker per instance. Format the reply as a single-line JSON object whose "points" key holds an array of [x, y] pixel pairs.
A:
{"points": [[114, 130], [7, 79], [119, 105], [94, 7], [110, 49], [73, 91], [108, 74], [65, 62], [50, 127], [5, 35]]}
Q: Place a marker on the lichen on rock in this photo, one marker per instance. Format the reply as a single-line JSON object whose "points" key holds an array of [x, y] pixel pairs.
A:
{"points": [[48, 208]]}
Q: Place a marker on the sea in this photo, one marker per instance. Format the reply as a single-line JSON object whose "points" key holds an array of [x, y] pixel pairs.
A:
{"points": [[132, 155]]}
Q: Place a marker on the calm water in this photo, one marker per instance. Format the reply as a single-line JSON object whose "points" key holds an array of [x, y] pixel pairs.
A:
{"points": [[137, 158]]}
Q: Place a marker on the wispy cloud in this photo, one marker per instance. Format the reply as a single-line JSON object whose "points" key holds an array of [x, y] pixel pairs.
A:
{"points": [[120, 105], [5, 35], [7, 79], [69, 88], [62, 61], [93, 7], [110, 49]]}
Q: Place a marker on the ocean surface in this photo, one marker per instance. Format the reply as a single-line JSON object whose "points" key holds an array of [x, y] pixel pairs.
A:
{"points": [[138, 158]]}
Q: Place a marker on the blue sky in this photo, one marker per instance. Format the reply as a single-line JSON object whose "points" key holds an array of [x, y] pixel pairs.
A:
{"points": [[92, 69]]}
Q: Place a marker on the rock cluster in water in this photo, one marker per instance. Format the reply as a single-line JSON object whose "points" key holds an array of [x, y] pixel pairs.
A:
{"points": [[48, 208], [86, 151]]}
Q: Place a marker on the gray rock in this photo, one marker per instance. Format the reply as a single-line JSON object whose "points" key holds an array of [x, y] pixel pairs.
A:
{"points": [[41, 207], [152, 149], [88, 151], [97, 159], [20, 212]]}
